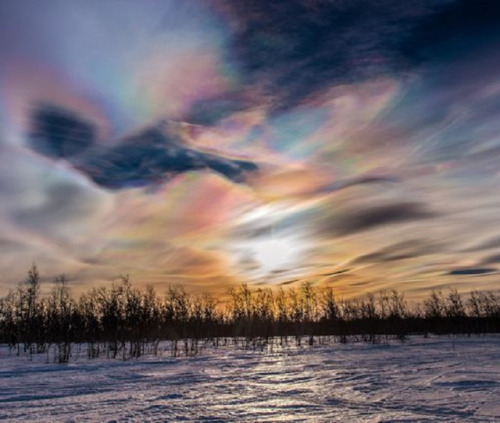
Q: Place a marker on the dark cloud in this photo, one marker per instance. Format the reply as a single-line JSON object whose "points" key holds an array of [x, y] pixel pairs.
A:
{"points": [[399, 251], [336, 273], [472, 271], [298, 47], [362, 180], [209, 111], [58, 133], [149, 157], [456, 29], [454, 52], [494, 259], [294, 49], [289, 282], [391, 214]]}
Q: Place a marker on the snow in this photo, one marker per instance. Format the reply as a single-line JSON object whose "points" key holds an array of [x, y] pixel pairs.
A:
{"points": [[437, 379]]}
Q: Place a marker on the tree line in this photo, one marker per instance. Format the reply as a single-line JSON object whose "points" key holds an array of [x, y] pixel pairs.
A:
{"points": [[127, 322]]}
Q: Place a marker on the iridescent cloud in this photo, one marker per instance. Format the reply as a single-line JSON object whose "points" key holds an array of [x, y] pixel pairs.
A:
{"points": [[210, 142]]}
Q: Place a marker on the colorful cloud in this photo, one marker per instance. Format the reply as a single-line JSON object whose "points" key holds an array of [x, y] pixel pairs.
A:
{"points": [[210, 142]]}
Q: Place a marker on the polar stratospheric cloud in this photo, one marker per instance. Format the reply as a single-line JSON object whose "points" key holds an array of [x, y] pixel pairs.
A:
{"points": [[349, 143]]}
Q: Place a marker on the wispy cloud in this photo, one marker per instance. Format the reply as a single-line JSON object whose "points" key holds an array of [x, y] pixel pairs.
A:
{"points": [[350, 143]]}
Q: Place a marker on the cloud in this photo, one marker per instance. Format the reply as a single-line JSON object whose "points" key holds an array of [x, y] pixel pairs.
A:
{"points": [[457, 24], [59, 133], [208, 111], [362, 220], [149, 157], [361, 180], [486, 245], [448, 112], [62, 202], [351, 115], [472, 271], [398, 251], [296, 48], [336, 273], [133, 62], [492, 259]]}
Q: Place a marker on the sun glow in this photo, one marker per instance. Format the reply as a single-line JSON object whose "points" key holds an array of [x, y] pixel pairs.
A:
{"points": [[274, 254]]}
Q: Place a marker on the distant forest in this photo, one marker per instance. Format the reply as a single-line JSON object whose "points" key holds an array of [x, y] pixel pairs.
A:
{"points": [[123, 321]]}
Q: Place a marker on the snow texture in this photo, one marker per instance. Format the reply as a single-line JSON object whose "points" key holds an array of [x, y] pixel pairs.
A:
{"points": [[438, 379]]}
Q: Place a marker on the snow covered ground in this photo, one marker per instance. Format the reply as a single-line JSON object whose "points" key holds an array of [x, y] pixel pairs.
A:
{"points": [[423, 380]]}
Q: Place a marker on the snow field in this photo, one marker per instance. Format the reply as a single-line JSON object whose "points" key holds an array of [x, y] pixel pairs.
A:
{"points": [[437, 379]]}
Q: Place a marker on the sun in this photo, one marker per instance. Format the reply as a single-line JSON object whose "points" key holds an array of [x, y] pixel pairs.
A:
{"points": [[273, 254], [266, 247]]}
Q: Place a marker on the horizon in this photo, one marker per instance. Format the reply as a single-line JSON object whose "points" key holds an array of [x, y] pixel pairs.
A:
{"points": [[213, 144]]}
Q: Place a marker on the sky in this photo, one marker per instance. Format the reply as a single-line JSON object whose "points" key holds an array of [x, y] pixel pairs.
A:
{"points": [[349, 143]]}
